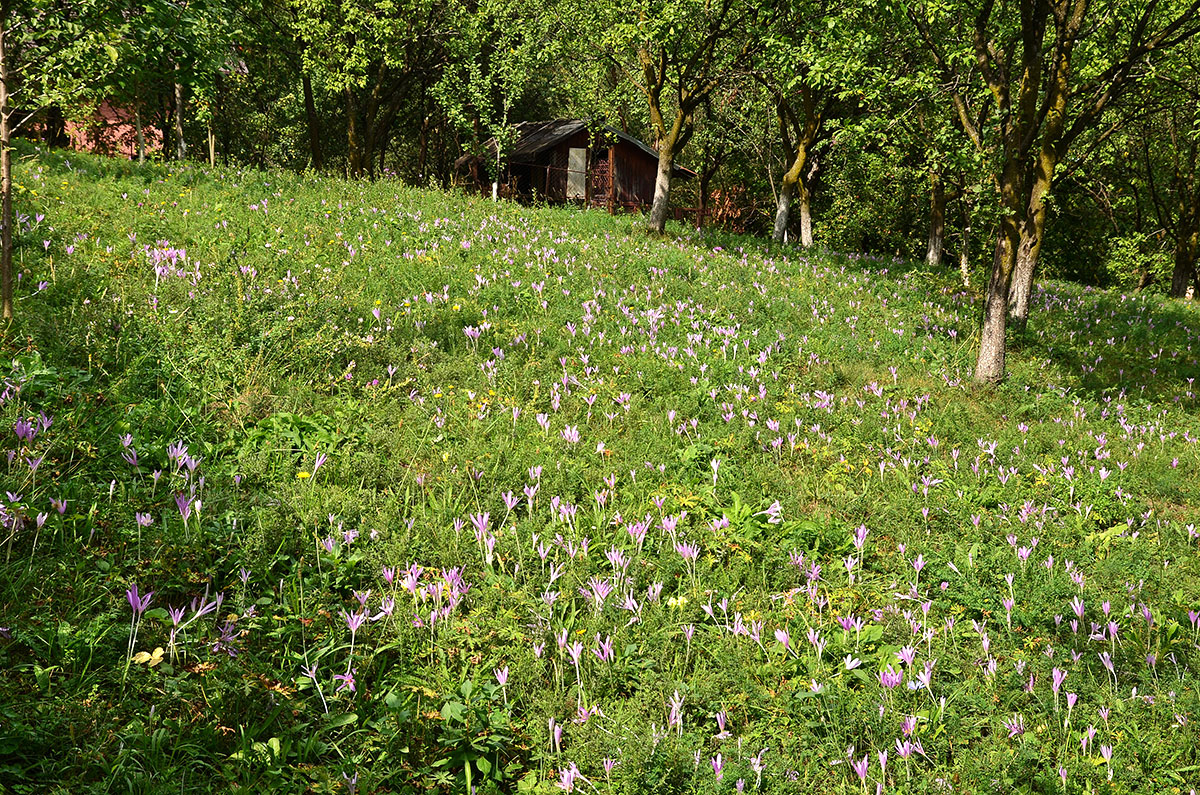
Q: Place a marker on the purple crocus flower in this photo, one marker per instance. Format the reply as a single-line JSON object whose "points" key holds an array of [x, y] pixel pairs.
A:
{"points": [[604, 648], [891, 678], [1059, 677], [138, 602], [346, 680], [184, 503], [860, 766]]}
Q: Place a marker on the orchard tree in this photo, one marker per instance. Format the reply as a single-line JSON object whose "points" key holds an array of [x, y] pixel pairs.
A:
{"points": [[1169, 144], [814, 60], [501, 53], [1043, 72], [174, 48], [803, 108], [377, 58], [676, 53], [274, 46]]}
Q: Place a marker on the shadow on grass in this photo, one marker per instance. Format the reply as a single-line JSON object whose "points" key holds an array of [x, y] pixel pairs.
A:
{"points": [[1114, 343]]}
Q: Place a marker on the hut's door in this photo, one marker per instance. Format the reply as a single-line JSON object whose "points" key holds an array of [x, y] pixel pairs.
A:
{"points": [[576, 173], [601, 181]]}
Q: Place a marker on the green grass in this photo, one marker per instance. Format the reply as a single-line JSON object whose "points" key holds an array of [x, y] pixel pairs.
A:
{"points": [[439, 354]]}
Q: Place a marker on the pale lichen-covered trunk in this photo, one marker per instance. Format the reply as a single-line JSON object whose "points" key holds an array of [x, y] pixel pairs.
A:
{"points": [[964, 246], [937, 221], [657, 222], [804, 200], [1022, 286], [782, 211], [1049, 154], [1032, 233], [989, 367], [794, 189], [964, 257]]}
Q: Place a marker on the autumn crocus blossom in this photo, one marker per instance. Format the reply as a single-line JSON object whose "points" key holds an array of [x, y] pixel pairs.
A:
{"points": [[138, 602]]}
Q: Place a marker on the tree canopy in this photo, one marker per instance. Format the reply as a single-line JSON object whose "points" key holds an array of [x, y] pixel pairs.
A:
{"points": [[991, 132]]}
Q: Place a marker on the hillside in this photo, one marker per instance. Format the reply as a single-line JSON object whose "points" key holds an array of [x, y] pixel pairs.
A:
{"points": [[433, 493]]}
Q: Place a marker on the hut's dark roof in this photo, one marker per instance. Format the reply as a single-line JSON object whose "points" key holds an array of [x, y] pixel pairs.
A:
{"points": [[537, 136], [534, 137]]}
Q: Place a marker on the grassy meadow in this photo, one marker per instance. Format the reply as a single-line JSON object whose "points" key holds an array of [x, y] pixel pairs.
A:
{"points": [[324, 486]]}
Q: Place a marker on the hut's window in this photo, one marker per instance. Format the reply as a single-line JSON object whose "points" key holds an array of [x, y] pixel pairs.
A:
{"points": [[577, 173]]}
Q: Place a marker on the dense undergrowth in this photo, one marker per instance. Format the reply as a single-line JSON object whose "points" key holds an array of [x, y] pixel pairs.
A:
{"points": [[422, 493]]}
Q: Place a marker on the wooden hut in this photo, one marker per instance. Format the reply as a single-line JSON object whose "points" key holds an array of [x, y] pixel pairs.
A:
{"points": [[565, 162]]}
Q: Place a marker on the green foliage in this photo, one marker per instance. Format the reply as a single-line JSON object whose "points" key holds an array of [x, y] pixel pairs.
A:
{"points": [[56, 53], [499, 58]]}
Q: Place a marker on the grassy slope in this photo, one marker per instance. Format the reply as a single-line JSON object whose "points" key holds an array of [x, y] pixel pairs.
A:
{"points": [[319, 317]]}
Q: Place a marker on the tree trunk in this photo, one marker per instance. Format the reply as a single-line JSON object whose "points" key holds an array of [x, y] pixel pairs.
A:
{"points": [[310, 115], [381, 135], [657, 222], [141, 134], [1022, 286], [222, 130], [6, 210], [1042, 179], [804, 200], [353, 141], [180, 144], [964, 249], [422, 149], [964, 258], [55, 133], [372, 131], [212, 146], [1032, 233], [783, 210], [989, 368], [937, 220], [1187, 246], [791, 185]]}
